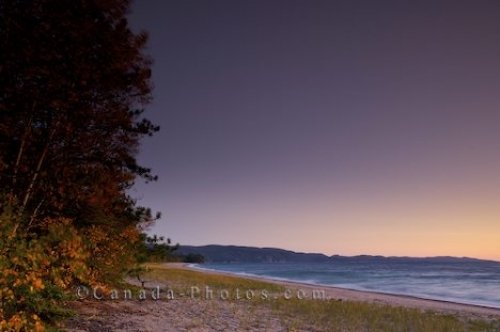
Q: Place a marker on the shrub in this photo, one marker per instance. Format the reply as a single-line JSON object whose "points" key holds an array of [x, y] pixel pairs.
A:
{"points": [[36, 271]]}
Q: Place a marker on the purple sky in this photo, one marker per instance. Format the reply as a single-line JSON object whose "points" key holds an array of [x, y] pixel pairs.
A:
{"points": [[332, 126]]}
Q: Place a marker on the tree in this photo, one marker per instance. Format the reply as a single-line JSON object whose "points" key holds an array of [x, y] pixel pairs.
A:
{"points": [[193, 258], [156, 249], [74, 81]]}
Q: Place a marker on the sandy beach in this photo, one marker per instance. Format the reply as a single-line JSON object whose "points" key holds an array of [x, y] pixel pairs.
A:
{"points": [[186, 312], [375, 297]]}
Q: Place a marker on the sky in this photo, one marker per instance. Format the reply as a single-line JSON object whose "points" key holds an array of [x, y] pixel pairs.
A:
{"points": [[341, 127]]}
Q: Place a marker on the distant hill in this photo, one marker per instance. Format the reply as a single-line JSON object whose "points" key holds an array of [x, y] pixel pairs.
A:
{"points": [[240, 254]]}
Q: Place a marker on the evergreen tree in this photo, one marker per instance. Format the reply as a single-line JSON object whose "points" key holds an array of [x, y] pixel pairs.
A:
{"points": [[73, 84]]}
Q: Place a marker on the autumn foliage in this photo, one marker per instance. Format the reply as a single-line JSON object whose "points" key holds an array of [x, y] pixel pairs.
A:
{"points": [[73, 84]]}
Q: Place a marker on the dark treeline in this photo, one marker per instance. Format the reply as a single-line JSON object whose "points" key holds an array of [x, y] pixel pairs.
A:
{"points": [[74, 81]]}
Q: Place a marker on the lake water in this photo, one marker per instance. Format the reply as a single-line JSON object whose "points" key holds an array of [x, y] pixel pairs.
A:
{"points": [[472, 282]]}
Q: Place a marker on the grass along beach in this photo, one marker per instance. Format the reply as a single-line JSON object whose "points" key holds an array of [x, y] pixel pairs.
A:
{"points": [[196, 300]]}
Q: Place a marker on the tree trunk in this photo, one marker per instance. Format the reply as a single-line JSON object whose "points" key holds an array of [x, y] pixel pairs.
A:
{"points": [[29, 191], [35, 212], [21, 150]]}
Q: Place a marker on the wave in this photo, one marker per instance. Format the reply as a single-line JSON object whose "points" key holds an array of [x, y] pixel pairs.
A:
{"points": [[459, 286]]}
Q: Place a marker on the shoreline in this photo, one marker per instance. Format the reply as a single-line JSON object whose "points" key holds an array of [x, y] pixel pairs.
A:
{"points": [[341, 309], [408, 301]]}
